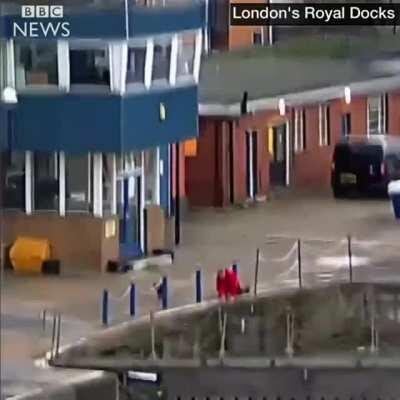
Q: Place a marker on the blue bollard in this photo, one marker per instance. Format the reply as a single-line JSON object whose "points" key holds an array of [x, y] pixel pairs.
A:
{"points": [[132, 303], [164, 293], [104, 308], [198, 287]]}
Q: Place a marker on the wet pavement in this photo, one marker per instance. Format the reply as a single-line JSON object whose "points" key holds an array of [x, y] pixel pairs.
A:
{"points": [[212, 239]]}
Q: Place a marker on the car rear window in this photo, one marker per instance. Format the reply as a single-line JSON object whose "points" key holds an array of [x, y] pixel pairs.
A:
{"points": [[356, 154]]}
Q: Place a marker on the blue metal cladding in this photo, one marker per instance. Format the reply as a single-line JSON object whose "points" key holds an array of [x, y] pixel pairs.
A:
{"points": [[164, 178], [141, 124], [4, 145], [71, 123], [98, 25], [146, 21], [77, 123], [109, 24]]}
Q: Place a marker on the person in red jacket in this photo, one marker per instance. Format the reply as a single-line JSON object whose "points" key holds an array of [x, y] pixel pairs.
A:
{"points": [[234, 287], [221, 285], [232, 283]]}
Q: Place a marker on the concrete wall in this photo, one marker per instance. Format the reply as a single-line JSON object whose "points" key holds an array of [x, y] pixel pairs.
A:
{"points": [[283, 384], [103, 386], [77, 240]]}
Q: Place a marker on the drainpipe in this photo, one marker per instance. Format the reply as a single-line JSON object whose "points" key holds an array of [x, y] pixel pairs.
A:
{"points": [[207, 28], [270, 31], [126, 20]]}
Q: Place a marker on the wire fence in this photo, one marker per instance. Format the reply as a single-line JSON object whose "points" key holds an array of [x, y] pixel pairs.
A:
{"points": [[280, 262], [315, 261]]}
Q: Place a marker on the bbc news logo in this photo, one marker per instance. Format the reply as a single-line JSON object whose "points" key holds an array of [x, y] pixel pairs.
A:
{"points": [[42, 11], [42, 22]]}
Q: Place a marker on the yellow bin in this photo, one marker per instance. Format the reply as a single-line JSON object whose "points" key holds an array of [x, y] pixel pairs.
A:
{"points": [[27, 254]]}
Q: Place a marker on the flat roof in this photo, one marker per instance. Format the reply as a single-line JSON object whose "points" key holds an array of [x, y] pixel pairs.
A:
{"points": [[294, 67]]}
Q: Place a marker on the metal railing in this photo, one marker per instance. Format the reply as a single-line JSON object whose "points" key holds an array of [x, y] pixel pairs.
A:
{"points": [[55, 317]]}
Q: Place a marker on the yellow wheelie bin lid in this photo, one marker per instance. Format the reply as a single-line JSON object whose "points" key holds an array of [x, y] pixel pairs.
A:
{"points": [[27, 254]]}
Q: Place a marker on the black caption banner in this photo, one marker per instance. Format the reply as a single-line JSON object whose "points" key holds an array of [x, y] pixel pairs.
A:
{"points": [[290, 14]]}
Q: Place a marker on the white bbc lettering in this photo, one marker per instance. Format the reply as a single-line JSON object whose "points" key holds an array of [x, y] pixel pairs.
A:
{"points": [[42, 11], [40, 29], [56, 11], [28, 11], [20, 31], [34, 29]]}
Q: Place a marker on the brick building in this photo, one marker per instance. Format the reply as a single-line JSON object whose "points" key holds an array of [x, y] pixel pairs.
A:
{"points": [[297, 109], [222, 36]]}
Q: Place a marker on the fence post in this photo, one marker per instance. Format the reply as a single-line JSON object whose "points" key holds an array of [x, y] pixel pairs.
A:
{"points": [[256, 272], [53, 336], [164, 293], [104, 308], [133, 300], [198, 287], [350, 258], [153, 335], [44, 314], [223, 337], [58, 334], [299, 262]]}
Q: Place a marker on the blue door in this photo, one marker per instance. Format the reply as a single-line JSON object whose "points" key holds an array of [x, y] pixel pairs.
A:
{"points": [[130, 217]]}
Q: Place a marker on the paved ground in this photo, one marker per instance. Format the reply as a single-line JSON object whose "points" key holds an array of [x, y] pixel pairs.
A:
{"points": [[212, 239]]}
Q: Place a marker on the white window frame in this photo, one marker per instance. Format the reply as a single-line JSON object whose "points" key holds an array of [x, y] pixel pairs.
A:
{"points": [[114, 208], [98, 185], [173, 67], [142, 203], [10, 67], [162, 40], [57, 174], [262, 37], [191, 77], [382, 113], [299, 131], [3, 63], [62, 187], [197, 55], [29, 183], [89, 44], [50, 87], [250, 165], [113, 182], [137, 86], [63, 65], [148, 65], [323, 125], [91, 187]]}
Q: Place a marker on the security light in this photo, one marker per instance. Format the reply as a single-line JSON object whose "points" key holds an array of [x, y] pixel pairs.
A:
{"points": [[347, 95], [9, 96], [282, 107]]}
